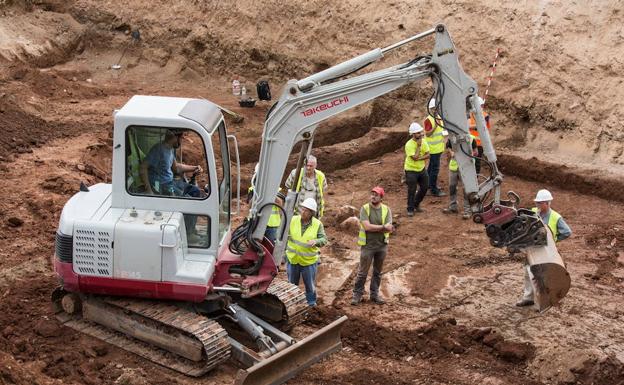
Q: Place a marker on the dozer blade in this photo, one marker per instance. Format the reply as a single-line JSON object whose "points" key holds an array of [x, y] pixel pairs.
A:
{"points": [[287, 363], [551, 280]]}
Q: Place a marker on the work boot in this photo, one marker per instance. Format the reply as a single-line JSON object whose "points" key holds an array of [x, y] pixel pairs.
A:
{"points": [[466, 215], [356, 300], [450, 210], [378, 300], [525, 302], [438, 194], [410, 213], [419, 210]]}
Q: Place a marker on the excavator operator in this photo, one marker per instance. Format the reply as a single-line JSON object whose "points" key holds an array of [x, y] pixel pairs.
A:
{"points": [[160, 166]]}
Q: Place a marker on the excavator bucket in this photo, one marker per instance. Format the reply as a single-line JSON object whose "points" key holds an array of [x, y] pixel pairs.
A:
{"points": [[551, 280], [287, 363]]}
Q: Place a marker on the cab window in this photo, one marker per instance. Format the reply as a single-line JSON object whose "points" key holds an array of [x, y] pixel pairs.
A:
{"points": [[166, 162]]}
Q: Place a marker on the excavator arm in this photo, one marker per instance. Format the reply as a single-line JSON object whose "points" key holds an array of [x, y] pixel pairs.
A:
{"points": [[307, 102]]}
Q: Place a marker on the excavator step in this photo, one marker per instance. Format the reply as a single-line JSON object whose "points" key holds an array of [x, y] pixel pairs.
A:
{"points": [[162, 333]]}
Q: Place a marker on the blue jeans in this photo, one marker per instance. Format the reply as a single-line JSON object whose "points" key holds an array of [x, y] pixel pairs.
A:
{"points": [[308, 273], [271, 233], [432, 170]]}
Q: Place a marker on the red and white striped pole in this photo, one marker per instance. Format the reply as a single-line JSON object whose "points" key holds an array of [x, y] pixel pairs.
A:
{"points": [[487, 87]]}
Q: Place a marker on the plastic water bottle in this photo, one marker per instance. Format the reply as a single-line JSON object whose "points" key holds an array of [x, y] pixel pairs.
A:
{"points": [[243, 93], [236, 87]]}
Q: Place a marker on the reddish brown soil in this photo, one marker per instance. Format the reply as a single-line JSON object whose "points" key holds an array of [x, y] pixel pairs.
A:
{"points": [[449, 317]]}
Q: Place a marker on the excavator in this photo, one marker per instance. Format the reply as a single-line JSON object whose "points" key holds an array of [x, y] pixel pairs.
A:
{"points": [[150, 262]]}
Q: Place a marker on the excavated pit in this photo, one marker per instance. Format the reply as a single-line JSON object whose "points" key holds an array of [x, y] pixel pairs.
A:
{"points": [[450, 316]]}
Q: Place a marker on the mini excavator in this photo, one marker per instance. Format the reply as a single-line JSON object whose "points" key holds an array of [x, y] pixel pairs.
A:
{"points": [[153, 266]]}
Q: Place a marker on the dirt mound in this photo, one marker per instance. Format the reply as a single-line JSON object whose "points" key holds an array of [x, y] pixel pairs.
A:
{"points": [[605, 371], [363, 377], [24, 130], [562, 176], [607, 241], [436, 339], [38, 37]]}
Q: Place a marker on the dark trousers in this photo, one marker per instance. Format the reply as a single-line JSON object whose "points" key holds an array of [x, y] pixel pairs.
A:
{"points": [[478, 160], [432, 171], [414, 180], [367, 257]]}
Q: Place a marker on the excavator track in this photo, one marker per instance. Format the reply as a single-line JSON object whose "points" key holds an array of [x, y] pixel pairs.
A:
{"points": [[294, 300], [284, 304], [162, 333]]}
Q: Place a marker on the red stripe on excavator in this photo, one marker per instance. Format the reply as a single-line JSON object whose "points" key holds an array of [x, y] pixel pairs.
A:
{"points": [[128, 287]]}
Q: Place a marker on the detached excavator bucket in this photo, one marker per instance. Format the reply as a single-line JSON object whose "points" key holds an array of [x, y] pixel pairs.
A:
{"points": [[551, 280], [287, 363]]}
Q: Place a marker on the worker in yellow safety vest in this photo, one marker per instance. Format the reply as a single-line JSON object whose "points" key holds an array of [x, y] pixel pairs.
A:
{"points": [[436, 138], [275, 220], [311, 184], [375, 229], [556, 225], [455, 178], [306, 235], [416, 154], [472, 126]]}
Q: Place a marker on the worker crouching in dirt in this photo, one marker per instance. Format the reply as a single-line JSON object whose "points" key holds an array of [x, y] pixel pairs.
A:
{"points": [[416, 153], [305, 237], [375, 229], [559, 229]]}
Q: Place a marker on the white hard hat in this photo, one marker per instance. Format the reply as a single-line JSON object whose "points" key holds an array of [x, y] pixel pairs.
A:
{"points": [[309, 203], [543, 196], [481, 101], [415, 128], [432, 102]]}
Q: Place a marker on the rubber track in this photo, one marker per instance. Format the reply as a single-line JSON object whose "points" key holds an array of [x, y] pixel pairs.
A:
{"points": [[213, 337], [294, 301]]}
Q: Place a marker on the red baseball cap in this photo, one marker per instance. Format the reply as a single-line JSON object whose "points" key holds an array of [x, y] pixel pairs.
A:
{"points": [[379, 190]]}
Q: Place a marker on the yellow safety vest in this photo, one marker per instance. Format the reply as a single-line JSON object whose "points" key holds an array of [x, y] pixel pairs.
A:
{"points": [[384, 215], [297, 249], [553, 219], [274, 220], [436, 140], [410, 149], [453, 166], [320, 179]]}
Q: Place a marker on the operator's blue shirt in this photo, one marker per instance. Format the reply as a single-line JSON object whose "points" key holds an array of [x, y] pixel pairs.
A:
{"points": [[160, 159]]}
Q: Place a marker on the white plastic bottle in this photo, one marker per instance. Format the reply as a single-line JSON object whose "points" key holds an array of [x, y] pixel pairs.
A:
{"points": [[236, 87], [243, 93]]}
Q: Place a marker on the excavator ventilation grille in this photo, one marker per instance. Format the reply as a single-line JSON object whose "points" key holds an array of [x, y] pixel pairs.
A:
{"points": [[93, 252]]}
